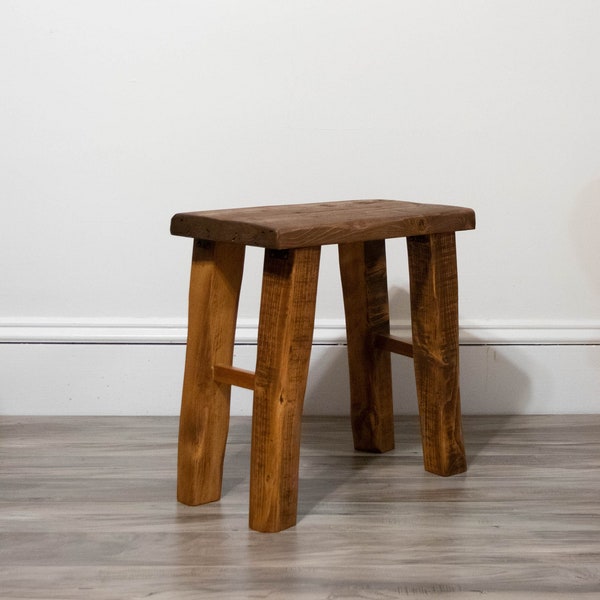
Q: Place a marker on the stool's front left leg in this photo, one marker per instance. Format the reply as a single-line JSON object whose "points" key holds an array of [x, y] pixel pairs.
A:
{"points": [[204, 422], [284, 343], [434, 309]]}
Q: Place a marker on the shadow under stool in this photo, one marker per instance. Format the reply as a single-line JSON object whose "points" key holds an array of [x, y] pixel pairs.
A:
{"points": [[292, 236]]}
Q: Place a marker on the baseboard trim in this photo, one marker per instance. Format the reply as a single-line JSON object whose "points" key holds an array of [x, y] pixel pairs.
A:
{"points": [[145, 379], [327, 331]]}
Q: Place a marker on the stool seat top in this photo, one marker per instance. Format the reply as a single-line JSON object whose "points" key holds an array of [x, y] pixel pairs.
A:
{"points": [[304, 225]]}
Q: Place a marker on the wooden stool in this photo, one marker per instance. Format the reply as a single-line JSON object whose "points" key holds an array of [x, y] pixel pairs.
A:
{"points": [[292, 236]]}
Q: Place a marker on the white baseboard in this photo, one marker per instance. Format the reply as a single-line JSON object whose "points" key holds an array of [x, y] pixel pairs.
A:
{"points": [[145, 379], [327, 331]]}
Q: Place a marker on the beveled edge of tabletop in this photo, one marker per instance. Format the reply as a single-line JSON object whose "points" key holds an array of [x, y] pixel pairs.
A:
{"points": [[314, 224]]}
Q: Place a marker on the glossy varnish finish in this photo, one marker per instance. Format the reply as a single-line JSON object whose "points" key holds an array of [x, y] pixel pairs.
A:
{"points": [[87, 511]]}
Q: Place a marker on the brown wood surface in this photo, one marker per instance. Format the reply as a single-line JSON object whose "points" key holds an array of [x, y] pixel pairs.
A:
{"points": [[284, 343], [302, 225], [214, 292], [434, 312], [364, 284], [394, 344], [234, 376]]}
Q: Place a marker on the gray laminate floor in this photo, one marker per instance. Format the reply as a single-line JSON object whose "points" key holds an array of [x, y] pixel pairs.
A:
{"points": [[87, 510]]}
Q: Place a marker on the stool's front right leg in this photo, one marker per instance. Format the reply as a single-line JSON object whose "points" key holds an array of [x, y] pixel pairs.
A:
{"points": [[434, 309], [204, 422], [285, 335]]}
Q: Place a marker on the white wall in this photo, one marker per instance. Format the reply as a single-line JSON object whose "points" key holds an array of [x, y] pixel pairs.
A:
{"points": [[115, 115]]}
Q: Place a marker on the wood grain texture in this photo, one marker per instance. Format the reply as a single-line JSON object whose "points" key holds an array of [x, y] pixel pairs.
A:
{"points": [[215, 282], [234, 376], [87, 510], [394, 344], [303, 225], [285, 333], [434, 314], [364, 285]]}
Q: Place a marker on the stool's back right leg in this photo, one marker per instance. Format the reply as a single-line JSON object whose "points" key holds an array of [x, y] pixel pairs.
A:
{"points": [[434, 309]]}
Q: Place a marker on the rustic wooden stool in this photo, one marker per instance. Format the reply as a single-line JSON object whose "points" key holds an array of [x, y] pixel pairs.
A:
{"points": [[292, 236]]}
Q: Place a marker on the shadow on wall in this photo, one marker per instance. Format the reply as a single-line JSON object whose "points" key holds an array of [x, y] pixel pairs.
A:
{"points": [[494, 379], [328, 389], [492, 383]]}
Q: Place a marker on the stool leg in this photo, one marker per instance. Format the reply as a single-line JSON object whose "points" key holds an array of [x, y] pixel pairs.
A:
{"points": [[204, 422], [434, 309], [364, 284], [284, 343]]}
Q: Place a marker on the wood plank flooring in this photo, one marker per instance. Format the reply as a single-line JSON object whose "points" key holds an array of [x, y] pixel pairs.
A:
{"points": [[88, 510]]}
